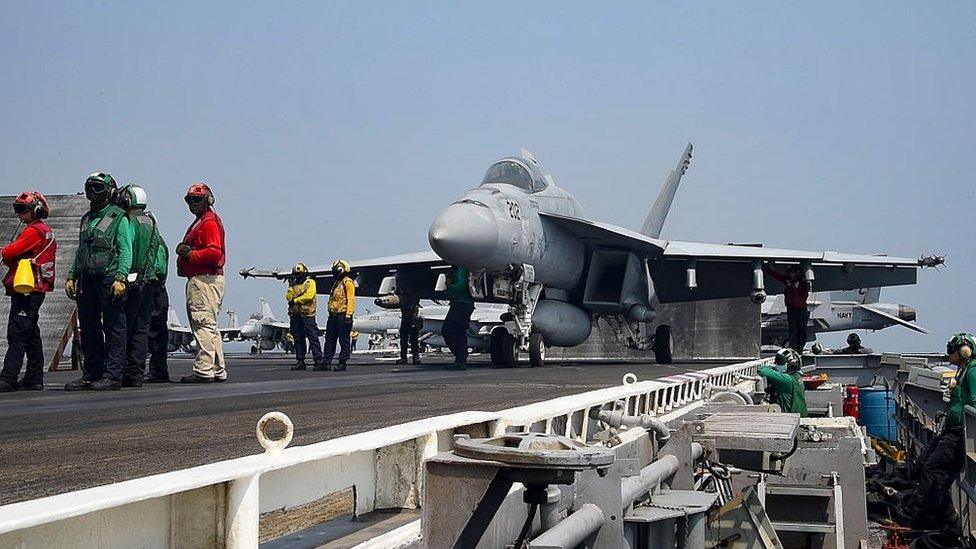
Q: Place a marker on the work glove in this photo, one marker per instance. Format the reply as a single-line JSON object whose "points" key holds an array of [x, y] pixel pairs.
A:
{"points": [[183, 250], [118, 289], [69, 288]]}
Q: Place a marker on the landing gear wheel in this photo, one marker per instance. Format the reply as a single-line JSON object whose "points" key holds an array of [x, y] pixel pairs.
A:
{"points": [[509, 351], [537, 351], [254, 350], [663, 344]]}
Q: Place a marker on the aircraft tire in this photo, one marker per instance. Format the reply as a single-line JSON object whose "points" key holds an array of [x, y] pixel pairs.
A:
{"points": [[663, 344], [254, 349], [509, 351], [537, 351]]}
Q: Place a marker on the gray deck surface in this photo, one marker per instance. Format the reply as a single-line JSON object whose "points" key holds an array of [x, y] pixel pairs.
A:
{"points": [[53, 442]]}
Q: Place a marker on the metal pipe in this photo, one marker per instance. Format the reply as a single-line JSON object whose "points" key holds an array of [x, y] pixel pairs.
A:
{"points": [[660, 470], [549, 512], [616, 418], [572, 530]]}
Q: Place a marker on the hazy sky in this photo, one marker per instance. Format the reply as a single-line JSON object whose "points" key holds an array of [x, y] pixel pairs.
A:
{"points": [[342, 129]]}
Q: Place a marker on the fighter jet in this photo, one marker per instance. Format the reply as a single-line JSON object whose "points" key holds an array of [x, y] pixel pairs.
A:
{"points": [[180, 337], [530, 245], [484, 320], [838, 311], [264, 329]]}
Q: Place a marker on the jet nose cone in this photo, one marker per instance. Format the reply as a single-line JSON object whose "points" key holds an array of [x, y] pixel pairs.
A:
{"points": [[906, 313], [464, 234]]}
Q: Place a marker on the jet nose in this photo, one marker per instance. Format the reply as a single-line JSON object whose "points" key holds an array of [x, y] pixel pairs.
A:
{"points": [[464, 234], [906, 313]]}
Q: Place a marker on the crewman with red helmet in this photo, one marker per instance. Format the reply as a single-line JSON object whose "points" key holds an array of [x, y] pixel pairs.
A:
{"points": [[200, 258], [37, 244]]}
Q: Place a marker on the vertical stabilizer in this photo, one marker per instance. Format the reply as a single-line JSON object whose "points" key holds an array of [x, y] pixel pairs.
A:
{"points": [[662, 204], [266, 310]]}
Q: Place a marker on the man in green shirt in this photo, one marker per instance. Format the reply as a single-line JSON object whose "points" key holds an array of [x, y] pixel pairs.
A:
{"points": [[143, 279], [787, 382], [97, 279], [455, 327], [945, 455], [158, 326]]}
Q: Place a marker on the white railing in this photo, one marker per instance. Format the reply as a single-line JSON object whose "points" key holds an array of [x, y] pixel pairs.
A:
{"points": [[219, 505]]}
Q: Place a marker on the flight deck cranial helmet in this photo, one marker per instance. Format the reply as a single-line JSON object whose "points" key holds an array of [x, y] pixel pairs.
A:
{"points": [[199, 192], [100, 188], [340, 268], [854, 340], [962, 342], [33, 202], [789, 358], [131, 196], [299, 271]]}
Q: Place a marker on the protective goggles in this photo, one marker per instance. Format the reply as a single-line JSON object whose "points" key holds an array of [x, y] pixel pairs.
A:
{"points": [[95, 186], [194, 199], [953, 346], [21, 208]]}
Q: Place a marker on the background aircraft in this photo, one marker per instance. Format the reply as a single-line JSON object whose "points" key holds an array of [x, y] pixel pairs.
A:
{"points": [[530, 245], [264, 329], [485, 318], [838, 311]]}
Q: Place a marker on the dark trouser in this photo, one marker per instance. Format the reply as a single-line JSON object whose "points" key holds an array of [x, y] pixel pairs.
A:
{"points": [[337, 328], [304, 329], [944, 460], [138, 314], [455, 330], [408, 334], [158, 332], [102, 321], [24, 337], [797, 318]]}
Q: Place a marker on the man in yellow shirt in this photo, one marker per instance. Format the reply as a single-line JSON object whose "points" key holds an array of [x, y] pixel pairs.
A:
{"points": [[342, 307], [302, 299]]}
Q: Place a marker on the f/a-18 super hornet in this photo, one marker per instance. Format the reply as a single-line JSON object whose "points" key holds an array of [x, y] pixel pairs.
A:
{"points": [[529, 244], [387, 322], [264, 329], [838, 311]]}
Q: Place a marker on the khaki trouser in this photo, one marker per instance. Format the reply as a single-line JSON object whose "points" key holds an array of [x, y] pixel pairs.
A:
{"points": [[204, 295]]}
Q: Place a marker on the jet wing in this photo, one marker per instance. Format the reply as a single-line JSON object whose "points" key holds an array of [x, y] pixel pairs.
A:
{"points": [[893, 318], [416, 274], [725, 270]]}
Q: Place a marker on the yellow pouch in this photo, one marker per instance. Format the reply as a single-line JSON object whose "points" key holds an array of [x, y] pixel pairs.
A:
{"points": [[24, 277]]}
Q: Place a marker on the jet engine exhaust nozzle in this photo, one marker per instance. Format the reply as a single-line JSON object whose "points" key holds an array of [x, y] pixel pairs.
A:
{"points": [[464, 234]]}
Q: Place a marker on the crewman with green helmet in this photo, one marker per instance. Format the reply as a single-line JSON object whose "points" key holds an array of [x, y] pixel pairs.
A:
{"points": [[944, 456], [97, 279], [142, 280], [787, 382]]}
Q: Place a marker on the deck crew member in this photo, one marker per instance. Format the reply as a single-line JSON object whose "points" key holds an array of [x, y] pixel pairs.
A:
{"points": [[37, 244], [342, 307], [410, 323], [945, 454], [142, 281], [158, 325], [98, 280], [854, 347], [787, 382], [200, 259], [796, 293], [455, 327], [302, 298]]}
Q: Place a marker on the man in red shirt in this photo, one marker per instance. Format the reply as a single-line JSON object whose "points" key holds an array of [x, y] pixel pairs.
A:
{"points": [[37, 244], [796, 292], [200, 258]]}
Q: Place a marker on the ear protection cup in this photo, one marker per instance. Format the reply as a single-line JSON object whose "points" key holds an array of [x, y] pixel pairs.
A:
{"points": [[210, 198], [124, 198], [966, 352], [40, 206]]}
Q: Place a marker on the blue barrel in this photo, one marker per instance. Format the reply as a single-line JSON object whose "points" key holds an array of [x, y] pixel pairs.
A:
{"points": [[877, 407]]}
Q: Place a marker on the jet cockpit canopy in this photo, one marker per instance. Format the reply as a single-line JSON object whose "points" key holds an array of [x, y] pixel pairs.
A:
{"points": [[516, 172]]}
